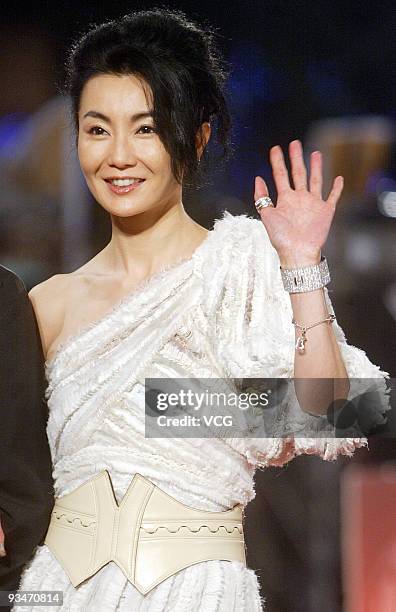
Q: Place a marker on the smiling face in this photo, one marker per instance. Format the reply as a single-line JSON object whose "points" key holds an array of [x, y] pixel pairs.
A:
{"points": [[115, 141]]}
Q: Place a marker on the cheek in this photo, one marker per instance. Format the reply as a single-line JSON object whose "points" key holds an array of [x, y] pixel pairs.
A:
{"points": [[82, 155], [158, 159], [88, 156]]}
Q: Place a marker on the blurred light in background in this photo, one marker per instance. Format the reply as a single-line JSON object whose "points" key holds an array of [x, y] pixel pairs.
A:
{"points": [[362, 252], [387, 203], [12, 129]]}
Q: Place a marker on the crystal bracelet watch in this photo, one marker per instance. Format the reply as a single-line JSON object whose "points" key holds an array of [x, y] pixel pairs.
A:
{"points": [[307, 278]]}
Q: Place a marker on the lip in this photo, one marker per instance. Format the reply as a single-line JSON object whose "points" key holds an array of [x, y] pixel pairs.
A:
{"points": [[120, 178], [123, 190]]}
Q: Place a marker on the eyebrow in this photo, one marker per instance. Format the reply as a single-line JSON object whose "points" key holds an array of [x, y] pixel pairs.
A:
{"points": [[135, 117]]}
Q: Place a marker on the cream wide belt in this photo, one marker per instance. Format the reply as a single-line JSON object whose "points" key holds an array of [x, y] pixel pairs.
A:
{"points": [[149, 535]]}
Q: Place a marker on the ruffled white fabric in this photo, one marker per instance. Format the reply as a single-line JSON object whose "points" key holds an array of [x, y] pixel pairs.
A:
{"points": [[221, 314], [252, 315]]}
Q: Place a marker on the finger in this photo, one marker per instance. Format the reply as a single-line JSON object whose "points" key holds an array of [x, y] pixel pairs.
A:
{"points": [[279, 170], [260, 188], [298, 170], [336, 191], [315, 178]]}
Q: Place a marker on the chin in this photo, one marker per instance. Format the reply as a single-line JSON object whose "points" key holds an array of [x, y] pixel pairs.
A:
{"points": [[125, 209], [117, 208]]}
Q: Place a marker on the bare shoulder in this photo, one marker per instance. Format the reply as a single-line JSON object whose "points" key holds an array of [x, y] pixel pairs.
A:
{"points": [[55, 298], [49, 302]]}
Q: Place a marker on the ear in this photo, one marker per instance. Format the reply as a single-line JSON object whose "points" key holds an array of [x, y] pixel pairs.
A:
{"points": [[202, 138]]}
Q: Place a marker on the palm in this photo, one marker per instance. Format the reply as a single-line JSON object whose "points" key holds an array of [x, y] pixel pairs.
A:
{"points": [[301, 220]]}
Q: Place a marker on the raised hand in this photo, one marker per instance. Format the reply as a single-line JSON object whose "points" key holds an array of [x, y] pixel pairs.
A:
{"points": [[299, 224]]}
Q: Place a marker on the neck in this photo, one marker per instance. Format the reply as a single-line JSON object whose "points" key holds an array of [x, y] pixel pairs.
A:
{"points": [[145, 243]]}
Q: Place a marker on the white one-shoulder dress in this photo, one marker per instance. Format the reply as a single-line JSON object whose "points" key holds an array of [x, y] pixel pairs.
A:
{"points": [[221, 313]]}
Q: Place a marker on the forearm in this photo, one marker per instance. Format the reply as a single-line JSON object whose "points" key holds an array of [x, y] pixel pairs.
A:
{"points": [[298, 227], [322, 358]]}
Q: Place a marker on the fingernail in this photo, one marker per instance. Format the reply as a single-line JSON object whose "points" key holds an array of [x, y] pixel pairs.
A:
{"points": [[2, 550]]}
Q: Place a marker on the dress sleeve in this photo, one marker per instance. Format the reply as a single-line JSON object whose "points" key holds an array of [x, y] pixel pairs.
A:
{"points": [[256, 340]]}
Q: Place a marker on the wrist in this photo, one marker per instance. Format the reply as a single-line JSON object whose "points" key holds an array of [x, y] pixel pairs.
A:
{"points": [[299, 260], [305, 277]]}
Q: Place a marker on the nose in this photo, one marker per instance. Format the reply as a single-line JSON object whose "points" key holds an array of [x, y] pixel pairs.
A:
{"points": [[121, 153]]}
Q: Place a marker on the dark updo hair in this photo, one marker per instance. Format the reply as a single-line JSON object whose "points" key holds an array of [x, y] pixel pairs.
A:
{"points": [[179, 61]]}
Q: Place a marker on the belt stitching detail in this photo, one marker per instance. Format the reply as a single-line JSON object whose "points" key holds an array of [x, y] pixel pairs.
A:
{"points": [[93, 548], [149, 491]]}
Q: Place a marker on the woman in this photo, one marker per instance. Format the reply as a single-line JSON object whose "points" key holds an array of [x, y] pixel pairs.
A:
{"points": [[168, 299]]}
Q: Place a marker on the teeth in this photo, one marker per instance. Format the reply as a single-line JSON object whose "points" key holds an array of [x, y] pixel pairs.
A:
{"points": [[124, 182]]}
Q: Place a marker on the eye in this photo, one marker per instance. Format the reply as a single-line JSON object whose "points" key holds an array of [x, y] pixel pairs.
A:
{"points": [[149, 127], [95, 127]]}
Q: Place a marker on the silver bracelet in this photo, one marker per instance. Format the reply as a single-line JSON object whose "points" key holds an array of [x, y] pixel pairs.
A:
{"points": [[308, 278]]}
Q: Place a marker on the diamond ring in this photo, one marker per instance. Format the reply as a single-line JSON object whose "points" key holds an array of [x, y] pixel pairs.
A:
{"points": [[263, 202]]}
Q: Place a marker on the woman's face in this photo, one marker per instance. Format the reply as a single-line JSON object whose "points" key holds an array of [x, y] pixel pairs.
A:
{"points": [[114, 144]]}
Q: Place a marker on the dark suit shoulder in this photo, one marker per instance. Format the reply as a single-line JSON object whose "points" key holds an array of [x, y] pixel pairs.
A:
{"points": [[10, 278]]}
